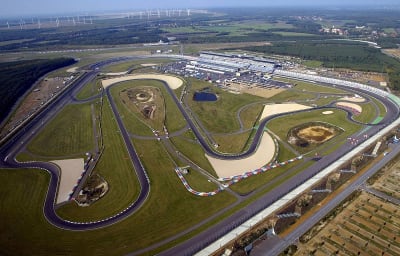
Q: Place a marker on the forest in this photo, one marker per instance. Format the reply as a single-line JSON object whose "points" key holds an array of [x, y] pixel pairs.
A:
{"points": [[17, 77], [341, 54]]}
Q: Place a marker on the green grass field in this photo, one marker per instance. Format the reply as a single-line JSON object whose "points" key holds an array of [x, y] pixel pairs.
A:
{"points": [[71, 133], [136, 107], [186, 145], [25, 231], [281, 126], [90, 89], [294, 34], [199, 182], [232, 143], [310, 87], [236, 143], [125, 66], [223, 111], [116, 168], [174, 119], [368, 113], [292, 95]]}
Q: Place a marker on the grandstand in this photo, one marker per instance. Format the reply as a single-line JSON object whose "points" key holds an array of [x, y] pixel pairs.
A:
{"points": [[230, 63]]}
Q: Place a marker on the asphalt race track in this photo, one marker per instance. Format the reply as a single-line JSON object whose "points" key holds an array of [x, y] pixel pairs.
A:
{"points": [[12, 147]]}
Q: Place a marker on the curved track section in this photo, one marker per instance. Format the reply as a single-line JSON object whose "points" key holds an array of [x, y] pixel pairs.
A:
{"points": [[11, 148]]}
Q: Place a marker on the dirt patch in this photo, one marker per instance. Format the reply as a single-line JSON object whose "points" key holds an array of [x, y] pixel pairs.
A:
{"points": [[314, 133], [95, 188], [146, 101]]}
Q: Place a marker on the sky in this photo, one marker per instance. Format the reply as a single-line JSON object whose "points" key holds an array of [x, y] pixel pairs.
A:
{"points": [[30, 7]]}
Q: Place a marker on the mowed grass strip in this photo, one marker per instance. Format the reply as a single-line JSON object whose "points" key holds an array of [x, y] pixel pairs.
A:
{"points": [[116, 168], [368, 113], [125, 66], [232, 143], [199, 182], [311, 87], [71, 132], [236, 143], [292, 95], [187, 146], [219, 116], [90, 89]]}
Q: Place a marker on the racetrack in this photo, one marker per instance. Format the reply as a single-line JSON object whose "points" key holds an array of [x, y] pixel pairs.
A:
{"points": [[10, 149]]}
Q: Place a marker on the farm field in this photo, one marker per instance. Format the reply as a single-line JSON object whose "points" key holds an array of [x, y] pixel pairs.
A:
{"points": [[365, 226], [389, 181]]}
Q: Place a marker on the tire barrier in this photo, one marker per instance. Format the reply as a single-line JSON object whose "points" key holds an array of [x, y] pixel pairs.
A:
{"points": [[233, 179], [260, 170]]}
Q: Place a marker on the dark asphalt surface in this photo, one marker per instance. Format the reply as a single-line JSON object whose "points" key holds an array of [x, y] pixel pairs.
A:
{"points": [[10, 149]]}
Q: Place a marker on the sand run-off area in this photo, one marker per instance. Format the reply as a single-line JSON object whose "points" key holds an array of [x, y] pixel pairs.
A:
{"points": [[172, 81], [327, 112], [350, 106], [273, 109], [148, 64], [262, 156], [72, 70], [71, 172], [115, 73], [353, 99]]}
